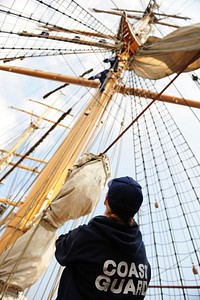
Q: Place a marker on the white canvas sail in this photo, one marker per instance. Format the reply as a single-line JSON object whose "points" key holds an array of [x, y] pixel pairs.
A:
{"points": [[24, 262], [160, 57]]}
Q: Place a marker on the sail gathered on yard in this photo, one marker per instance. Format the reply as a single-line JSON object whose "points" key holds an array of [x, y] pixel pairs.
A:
{"points": [[164, 56], [24, 263], [122, 83]]}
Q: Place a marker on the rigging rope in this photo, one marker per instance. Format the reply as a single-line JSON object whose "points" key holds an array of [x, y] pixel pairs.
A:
{"points": [[36, 144], [29, 26], [154, 99], [98, 24]]}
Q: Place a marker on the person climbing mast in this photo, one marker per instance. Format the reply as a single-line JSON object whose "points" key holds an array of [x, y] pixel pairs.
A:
{"points": [[102, 76], [113, 62]]}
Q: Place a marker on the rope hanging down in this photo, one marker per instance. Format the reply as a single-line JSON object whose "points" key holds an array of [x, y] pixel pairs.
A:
{"points": [[154, 99]]}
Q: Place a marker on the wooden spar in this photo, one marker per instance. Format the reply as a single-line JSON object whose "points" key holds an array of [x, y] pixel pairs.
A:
{"points": [[42, 118], [72, 40], [81, 32], [115, 13], [9, 202], [27, 157], [51, 76], [95, 84], [49, 106], [34, 170], [53, 175], [157, 14], [130, 16], [152, 95]]}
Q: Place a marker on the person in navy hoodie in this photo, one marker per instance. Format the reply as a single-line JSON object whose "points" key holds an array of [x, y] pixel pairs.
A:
{"points": [[106, 259]]}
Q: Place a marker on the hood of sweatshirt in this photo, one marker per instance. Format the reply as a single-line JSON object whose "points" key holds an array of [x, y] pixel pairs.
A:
{"points": [[126, 236]]}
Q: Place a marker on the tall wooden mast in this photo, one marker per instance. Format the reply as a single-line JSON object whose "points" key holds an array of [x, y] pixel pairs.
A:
{"points": [[53, 175]]}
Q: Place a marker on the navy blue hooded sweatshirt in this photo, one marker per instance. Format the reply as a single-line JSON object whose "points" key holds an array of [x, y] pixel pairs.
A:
{"points": [[103, 260]]}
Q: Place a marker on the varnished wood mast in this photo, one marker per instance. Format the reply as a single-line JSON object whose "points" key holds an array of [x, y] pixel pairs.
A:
{"points": [[52, 177]]}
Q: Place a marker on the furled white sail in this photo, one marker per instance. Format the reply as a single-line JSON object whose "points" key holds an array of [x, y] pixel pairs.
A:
{"points": [[160, 57], [24, 262], [81, 192]]}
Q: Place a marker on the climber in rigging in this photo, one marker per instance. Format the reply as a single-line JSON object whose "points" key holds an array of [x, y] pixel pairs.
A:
{"points": [[113, 62], [102, 76], [106, 259]]}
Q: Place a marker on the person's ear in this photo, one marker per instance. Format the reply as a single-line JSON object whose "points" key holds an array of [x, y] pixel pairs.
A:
{"points": [[106, 199]]}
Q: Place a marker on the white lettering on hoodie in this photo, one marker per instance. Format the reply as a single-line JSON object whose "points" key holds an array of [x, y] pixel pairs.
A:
{"points": [[124, 281]]}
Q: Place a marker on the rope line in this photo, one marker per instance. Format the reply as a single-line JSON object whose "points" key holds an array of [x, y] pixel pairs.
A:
{"points": [[149, 105]]}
